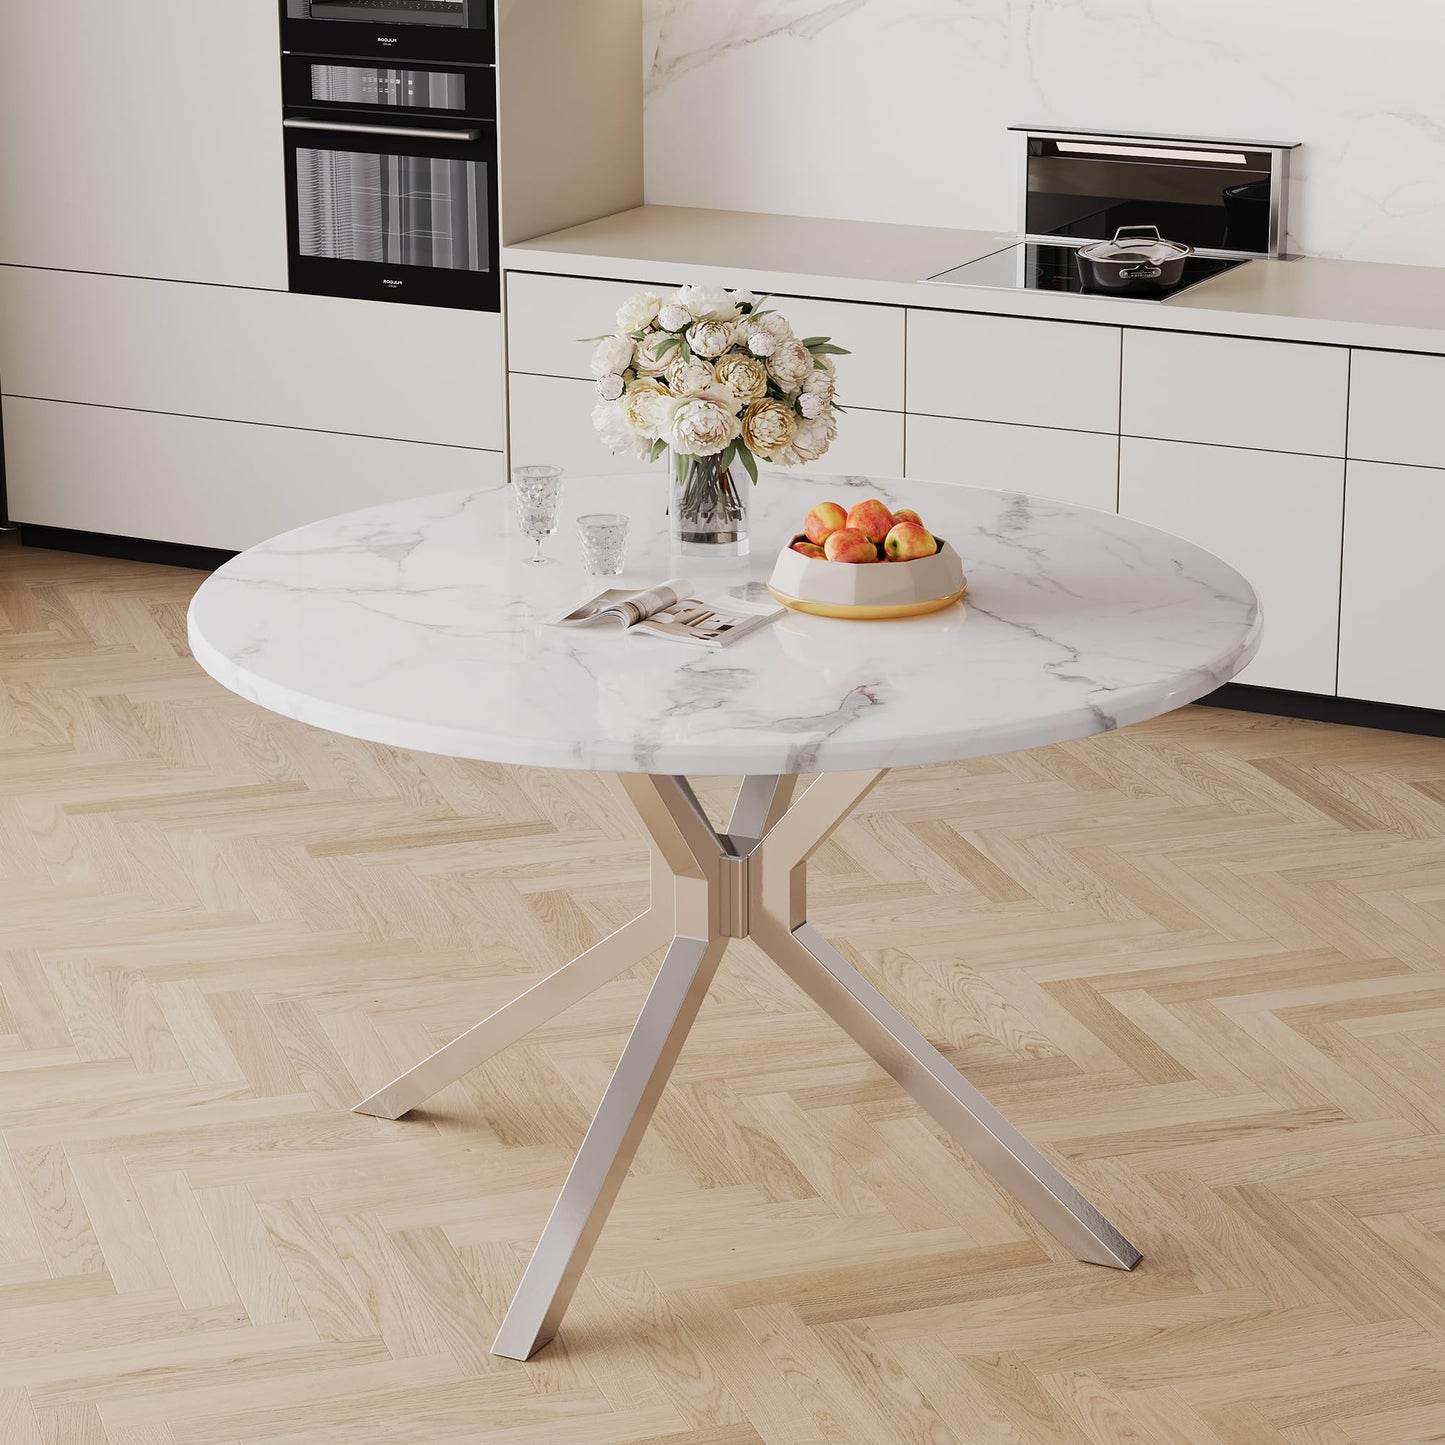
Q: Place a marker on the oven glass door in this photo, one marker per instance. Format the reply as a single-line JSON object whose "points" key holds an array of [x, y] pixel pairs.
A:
{"points": [[405, 214], [456, 30]]}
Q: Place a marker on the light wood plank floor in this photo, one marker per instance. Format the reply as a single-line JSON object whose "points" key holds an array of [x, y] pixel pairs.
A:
{"points": [[1202, 961]]}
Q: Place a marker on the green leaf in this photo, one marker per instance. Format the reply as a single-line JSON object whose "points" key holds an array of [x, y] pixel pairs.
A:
{"points": [[658, 447], [592, 340], [813, 341], [728, 455], [827, 348], [749, 461]]}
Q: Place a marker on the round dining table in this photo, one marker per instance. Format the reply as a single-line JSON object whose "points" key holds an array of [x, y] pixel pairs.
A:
{"points": [[421, 625]]}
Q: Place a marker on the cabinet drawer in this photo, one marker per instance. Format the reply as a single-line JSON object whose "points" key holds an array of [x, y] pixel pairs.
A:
{"points": [[1274, 517], [1395, 408], [1273, 395], [552, 422], [1065, 466], [1001, 368], [208, 483], [418, 373], [1392, 611], [547, 314]]}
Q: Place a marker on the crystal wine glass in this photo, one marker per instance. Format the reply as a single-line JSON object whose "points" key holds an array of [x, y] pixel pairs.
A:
{"points": [[537, 492]]}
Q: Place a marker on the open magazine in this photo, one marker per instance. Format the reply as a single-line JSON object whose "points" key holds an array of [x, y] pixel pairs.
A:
{"points": [[668, 611]]}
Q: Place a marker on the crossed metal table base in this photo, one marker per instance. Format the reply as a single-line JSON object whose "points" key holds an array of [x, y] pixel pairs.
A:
{"points": [[708, 887]]}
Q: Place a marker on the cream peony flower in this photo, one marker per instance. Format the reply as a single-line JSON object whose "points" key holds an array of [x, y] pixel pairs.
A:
{"points": [[690, 377], [640, 401], [744, 297], [762, 343], [702, 427], [768, 427], [710, 338], [820, 383], [811, 440], [611, 386], [649, 360], [811, 405], [674, 318], [744, 376], [614, 353], [791, 364], [708, 303], [638, 312], [613, 425]]}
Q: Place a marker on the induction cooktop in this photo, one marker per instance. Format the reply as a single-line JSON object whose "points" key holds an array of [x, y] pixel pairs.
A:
{"points": [[1042, 266]]}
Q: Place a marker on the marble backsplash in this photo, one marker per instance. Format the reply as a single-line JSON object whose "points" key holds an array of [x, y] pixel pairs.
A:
{"points": [[896, 109]]}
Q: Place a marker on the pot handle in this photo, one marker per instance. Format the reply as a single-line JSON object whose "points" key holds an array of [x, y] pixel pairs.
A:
{"points": [[1151, 232], [1143, 271]]}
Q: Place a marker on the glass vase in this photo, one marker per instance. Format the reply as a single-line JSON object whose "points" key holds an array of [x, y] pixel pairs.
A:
{"points": [[709, 507]]}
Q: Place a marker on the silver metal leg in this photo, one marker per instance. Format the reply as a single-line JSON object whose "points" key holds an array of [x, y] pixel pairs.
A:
{"points": [[709, 887], [852, 1002], [607, 1151]]}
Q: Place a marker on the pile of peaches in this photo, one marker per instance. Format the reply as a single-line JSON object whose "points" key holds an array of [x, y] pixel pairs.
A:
{"points": [[869, 532]]}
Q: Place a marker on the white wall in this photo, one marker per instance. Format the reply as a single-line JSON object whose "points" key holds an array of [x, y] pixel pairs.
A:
{"points": [[895, 109]]}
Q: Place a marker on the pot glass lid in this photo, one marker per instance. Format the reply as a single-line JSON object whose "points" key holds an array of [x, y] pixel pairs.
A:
{"points": [[1136, 243]]}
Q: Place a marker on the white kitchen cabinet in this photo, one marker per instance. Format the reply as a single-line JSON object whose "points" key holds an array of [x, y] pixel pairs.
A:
{"points": [[1276, 518], [1008, 369], [551, 420], [1397, 408], [1065, 466], [1392, 611], [547, 314], [208, 483], [144, 139], [418, 373], [1269, 395]]}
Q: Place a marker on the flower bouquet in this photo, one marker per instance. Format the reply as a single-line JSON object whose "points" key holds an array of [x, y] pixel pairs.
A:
{"points": [[718, 379]]}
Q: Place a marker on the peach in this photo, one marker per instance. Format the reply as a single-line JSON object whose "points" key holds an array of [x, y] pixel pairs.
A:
{"points": [[907, 514], [871, 518], [809, 549], [826, 517], [846, 545], [908, 541]]}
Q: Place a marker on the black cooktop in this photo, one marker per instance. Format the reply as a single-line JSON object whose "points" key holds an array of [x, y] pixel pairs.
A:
{"points": [[1030, 266]]}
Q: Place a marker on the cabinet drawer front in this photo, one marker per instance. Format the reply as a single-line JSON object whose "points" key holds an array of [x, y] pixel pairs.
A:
{"points": [[1395, 408], [552, 422], [1272, 395], [547, 314], [1276, 519], [208, 483], [1001, 368], [1392, 612], [416, 373], [1064, 466]]}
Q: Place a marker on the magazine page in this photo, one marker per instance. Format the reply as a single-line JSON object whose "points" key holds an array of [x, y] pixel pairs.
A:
{"points": [[628, 608]]}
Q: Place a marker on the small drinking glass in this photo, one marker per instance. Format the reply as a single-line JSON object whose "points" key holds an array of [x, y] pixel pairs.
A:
{"points": [[604, 542], [537, 492]]}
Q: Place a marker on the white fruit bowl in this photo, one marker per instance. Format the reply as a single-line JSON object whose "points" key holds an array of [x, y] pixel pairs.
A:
{"points": [[868, 590]]}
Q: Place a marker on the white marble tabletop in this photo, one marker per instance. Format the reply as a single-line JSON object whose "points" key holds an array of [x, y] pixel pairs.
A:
{"points": [[417, 625]]}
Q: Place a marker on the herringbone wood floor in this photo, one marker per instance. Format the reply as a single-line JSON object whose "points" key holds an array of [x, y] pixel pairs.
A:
{"points": [[1200, 960]]}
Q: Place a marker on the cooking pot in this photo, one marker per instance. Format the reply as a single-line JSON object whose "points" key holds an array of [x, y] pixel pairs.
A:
{"points": [[1138, 260]]}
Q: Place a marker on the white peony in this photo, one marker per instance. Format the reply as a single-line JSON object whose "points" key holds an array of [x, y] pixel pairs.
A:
{"points": [[810, 441], [768, 428], [708, 303], [762, 343], [820, 383], [690, 377], [744, 375], [613, 425], [614, 353], [641, 403], [710, 338], [812, 405], [611, 386], [702, 427], [791, 364], [674, 318], [638, 312], [744, 297], [651, 359]]}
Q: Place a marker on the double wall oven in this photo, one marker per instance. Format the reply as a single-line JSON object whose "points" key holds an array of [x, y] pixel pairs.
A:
{"points": [[391, 150]]}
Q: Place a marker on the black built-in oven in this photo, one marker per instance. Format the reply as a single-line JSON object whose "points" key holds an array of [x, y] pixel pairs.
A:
{"points": [[459, 32], [391, 174]]}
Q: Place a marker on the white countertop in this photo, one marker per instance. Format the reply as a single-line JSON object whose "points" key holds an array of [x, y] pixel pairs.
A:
{"points": [[1344, 303], [418, 625]]}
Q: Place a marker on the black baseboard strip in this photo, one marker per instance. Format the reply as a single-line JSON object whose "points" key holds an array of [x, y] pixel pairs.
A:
{"points": [[129, 549], [1349, 711]]}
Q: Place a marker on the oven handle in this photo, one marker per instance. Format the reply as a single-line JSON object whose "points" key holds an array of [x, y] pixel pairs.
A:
{"points": [[405, 132]]}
